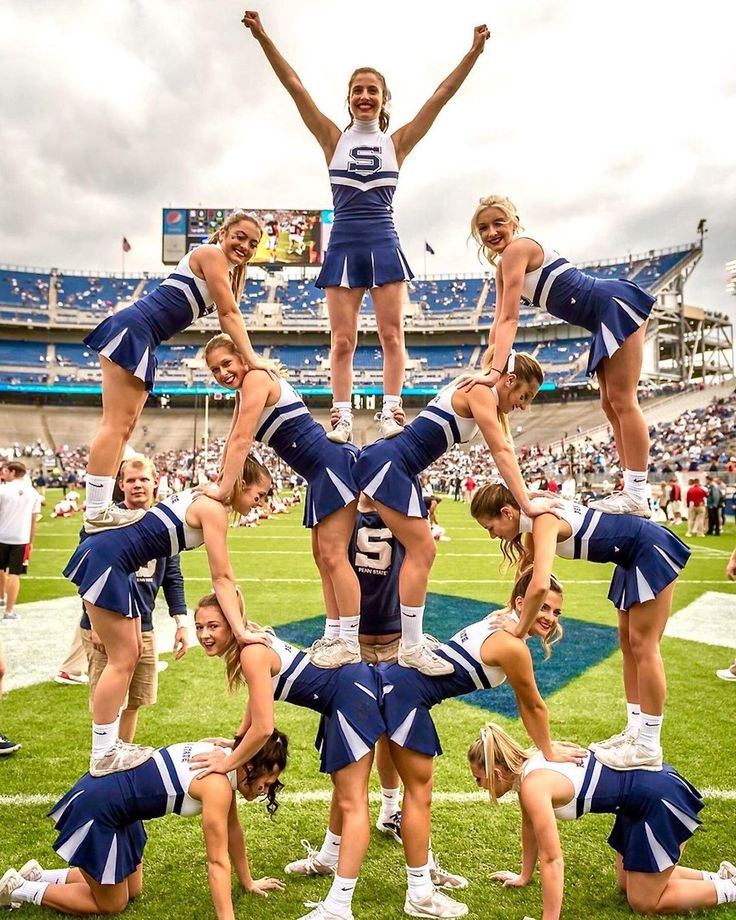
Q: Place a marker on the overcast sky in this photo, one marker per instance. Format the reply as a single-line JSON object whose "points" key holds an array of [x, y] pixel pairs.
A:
{"points": [[611, 124]]}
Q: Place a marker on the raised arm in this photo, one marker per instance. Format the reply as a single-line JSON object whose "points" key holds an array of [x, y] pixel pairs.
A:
{"points": [[407, 137], [325, 131]]}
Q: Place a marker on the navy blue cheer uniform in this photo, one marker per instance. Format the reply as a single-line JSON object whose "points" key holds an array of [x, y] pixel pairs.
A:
{"points": [[376, 556], [131, 336], [100, 820], [388, 470], [103, 566], [302, 443], [408, 695], [364, 249], [612, 309], [647, 556], [656, 811], [348, 696]]}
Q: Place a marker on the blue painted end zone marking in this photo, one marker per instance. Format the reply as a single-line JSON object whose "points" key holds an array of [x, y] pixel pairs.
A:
{"points": [[584, 646]]}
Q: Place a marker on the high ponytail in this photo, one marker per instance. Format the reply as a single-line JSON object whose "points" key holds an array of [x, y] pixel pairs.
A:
{"points": [[496, 748]]}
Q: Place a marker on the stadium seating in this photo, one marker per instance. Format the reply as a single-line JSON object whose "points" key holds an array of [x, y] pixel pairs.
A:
{"points": [[24, 289], [22, 354], [445, 295], [94, 293]]}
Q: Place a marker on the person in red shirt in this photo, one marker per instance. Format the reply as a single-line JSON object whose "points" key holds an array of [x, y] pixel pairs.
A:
{"points": [[696, 496]]}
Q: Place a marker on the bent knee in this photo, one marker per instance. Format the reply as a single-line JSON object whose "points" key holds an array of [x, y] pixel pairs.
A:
{"points": [[112, 904], [342, 344], [641, 904]]}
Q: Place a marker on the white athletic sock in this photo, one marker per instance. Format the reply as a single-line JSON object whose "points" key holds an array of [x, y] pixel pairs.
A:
{"points": [[725, 890], [98, 494], [349, 629], [389, 802], [389, 404], [633, 717], [54, 876], [650, 730], [330, 851], [709, 876], [344, 408], [412, 624], [635, 484], [420, 883], [104, 737], [32, 892], [332, 629], [340, 896]]}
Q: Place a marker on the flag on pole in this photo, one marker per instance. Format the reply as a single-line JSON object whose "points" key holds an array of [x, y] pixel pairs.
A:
{"points": [[126, 245], [428, 248]]}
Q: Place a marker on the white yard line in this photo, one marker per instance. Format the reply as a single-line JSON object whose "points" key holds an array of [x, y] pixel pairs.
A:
{"points": [[323, 796]]}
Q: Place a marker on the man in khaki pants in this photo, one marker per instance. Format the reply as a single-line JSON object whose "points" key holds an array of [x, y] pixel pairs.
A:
{"points": [[138, 482], [696, 511]]}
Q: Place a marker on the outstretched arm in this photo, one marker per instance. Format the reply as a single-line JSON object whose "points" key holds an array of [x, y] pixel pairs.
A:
{"points": [[216, 798], [406, 138], [238, 852], [538, 805], [326, 132]]}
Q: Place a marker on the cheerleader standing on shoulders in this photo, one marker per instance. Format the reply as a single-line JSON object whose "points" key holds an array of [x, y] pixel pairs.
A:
{"points": [[207, 278], [616, 311], [388, 472], [272, 412], [483, 655], [648, 560], [103, 568], [364, 252], [656, 813], [348, 696], [101, 834]]}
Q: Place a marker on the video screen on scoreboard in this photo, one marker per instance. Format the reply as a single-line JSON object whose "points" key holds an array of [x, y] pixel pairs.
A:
{"points": [[290, 237]]}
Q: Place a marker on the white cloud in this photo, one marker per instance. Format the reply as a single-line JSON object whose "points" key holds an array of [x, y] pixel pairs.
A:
{"points": [[611, 125]]}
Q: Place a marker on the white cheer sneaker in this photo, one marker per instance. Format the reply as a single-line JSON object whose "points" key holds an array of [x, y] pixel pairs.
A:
{"points": [[333, 653], [342, 432], [423, 659], [436, 904], [630, 756], [613, 742], [320, 912], [621, 503], [387, 425], [123, 756], [441, 878], [111, 518], [309, 865]]}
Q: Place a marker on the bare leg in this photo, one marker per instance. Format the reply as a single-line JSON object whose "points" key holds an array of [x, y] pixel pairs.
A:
{"points": [[416, 537], [387, 772], [343, 307], [607, 407], [83, 895], [328, 592], [123, 398], [387, 304], [128, 724], [622, 374], [668, 893], [416, 771], [121, 637], [12, 588], [646, 625], [351, 795], [333, 536], [631, 677]]}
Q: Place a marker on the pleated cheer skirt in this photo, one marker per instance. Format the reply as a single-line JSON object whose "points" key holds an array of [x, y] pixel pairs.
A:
{"points": [[656, 562], [101, 581], [615, 309], [384, 472], [128, 341], [331, 486], [358, 265]]}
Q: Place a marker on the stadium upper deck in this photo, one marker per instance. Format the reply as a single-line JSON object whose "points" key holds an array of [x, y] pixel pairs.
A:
{"points": [[287, 317]]}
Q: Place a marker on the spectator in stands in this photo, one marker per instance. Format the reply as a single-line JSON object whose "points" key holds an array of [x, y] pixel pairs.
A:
{"points": [[615, 310], [138, 483], [729, 673], [6, 745], [126, 343], [364, 251], [20, 506], [696, 509], [713, 503]]}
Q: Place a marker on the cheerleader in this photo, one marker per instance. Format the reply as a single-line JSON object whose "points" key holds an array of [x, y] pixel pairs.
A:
{"points": [[614, 310], [101, 835], [656, 813], [388, 472], [210, 276], [349, 696], [648, 560], [364, 251], [103, 568], [483, 655], [272, 412]]}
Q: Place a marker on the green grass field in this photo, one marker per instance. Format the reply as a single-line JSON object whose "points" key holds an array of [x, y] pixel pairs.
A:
{"points": [[275, 568]]}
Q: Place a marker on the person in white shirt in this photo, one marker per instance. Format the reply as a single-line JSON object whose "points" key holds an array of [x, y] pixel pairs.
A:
{"points": [[20, 504]]}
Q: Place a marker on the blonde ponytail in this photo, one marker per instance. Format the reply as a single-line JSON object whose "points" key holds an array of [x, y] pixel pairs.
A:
{"points": [[495, 748]]}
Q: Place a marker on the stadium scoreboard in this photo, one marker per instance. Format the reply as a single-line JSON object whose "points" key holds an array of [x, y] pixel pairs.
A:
{"points": [[290, 237]]}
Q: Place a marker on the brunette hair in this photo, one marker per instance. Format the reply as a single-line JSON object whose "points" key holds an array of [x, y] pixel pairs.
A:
{"points": [[519, 590], [237, 274], [487, 503], [383, 115], [274, 753]]}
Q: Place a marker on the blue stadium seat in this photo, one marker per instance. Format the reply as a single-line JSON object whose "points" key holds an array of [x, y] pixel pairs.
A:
{"points": [[24, 289]]}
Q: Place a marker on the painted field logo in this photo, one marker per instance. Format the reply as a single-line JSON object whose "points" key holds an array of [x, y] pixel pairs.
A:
{"points": [[584, 645]]}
